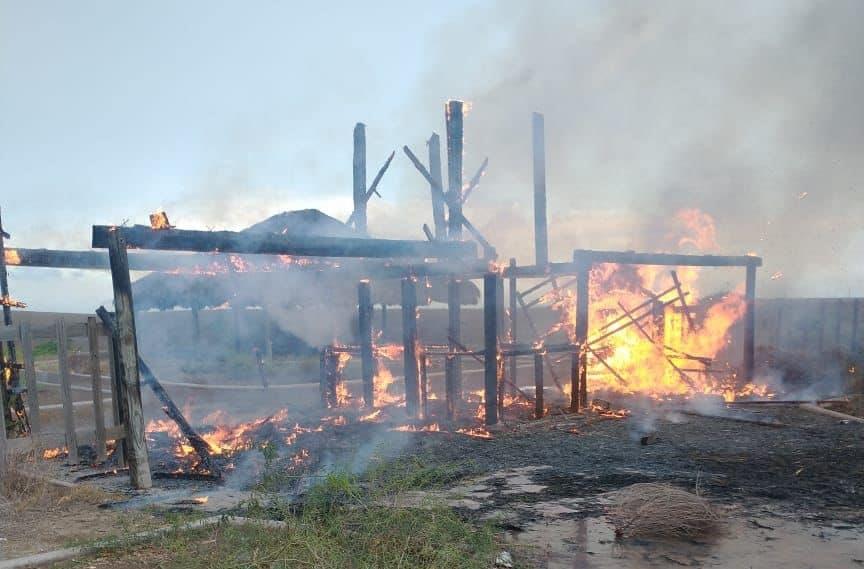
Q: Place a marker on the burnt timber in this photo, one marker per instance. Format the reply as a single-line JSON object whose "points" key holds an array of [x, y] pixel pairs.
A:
{"points": [[143, 237]]}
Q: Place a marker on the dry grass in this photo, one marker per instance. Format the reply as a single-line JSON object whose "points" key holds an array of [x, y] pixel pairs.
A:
{"points": [[22, 489], [661, 510]]}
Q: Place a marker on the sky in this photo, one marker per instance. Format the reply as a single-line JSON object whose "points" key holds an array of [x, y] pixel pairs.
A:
{"points": [[223, 113]]}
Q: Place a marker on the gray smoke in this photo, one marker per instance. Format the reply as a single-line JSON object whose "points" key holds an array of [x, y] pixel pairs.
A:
{"points": [[736, 108]]}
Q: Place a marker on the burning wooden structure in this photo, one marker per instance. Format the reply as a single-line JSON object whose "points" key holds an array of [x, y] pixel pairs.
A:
{"points": [[443, 255]]}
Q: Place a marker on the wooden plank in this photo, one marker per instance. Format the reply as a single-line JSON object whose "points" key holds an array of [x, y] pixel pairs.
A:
{"points": [[66, 392], [541, 231], [367, 359], [359, 177], [116, 391], [96, 381], [143, 237], [455, 143], [435, 188], [409, 343], [490, 342], [30, 379], [133, 412]]}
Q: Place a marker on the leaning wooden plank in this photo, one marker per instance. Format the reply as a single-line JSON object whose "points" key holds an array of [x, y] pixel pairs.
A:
{"points": [[201, 446], [30, 379], [144, 237], [96, 381], [66, 392]]}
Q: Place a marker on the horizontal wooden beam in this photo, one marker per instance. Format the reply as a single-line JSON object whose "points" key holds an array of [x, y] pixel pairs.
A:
{"points": [[143, 237], [665, 259]]}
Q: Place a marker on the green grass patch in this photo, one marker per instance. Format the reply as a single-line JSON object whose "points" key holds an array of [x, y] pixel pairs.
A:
{"points": [[45, 349]]}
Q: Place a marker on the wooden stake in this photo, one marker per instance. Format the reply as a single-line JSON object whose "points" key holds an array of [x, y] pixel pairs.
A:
{"points": [[121, 449], [96, 381], [750, 324], [436, 187], [367, 358], [541, 232], [455, 141], [133, 410], [490, 356], [360, 177], [409, 343]]}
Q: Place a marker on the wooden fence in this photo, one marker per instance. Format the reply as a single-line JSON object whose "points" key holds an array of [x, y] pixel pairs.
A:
{"points": [[43, 435]]}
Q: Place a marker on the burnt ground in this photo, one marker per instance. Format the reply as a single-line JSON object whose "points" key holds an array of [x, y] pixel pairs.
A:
{"points": [[812, 468]]}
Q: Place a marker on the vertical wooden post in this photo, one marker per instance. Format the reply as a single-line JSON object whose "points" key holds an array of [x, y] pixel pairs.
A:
{"points": [[66, 392], [121, 449], [853, 338], [268, 335], [453, 371], [7, 352], [96, 381], [424, 384], [490, 347], [367, 359], [409, 343], [133, 410], [750, 324], [512, 293], [437, 192], [360, 177], [30, 381], [579, 391], [538, 385], [541, 232], [455, 142], [196, 324]]}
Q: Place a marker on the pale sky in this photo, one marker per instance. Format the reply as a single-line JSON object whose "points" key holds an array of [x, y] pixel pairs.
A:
{"points": [[223, 113]]}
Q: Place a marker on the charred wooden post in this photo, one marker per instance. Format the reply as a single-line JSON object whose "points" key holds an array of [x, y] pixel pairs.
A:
{"points": [[513, 292], [750, 323], [30, 380], [96, 381], [541, 232], [490, 350], [424, 384], [453, 371], [8, 371], [579, 393], [367, 358], [409, 343], [455, 141], [360, 177], [66, 392], [330, 378], [436, 188], [133, 411], [658, 316], [575, 370], [538, 385]]}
